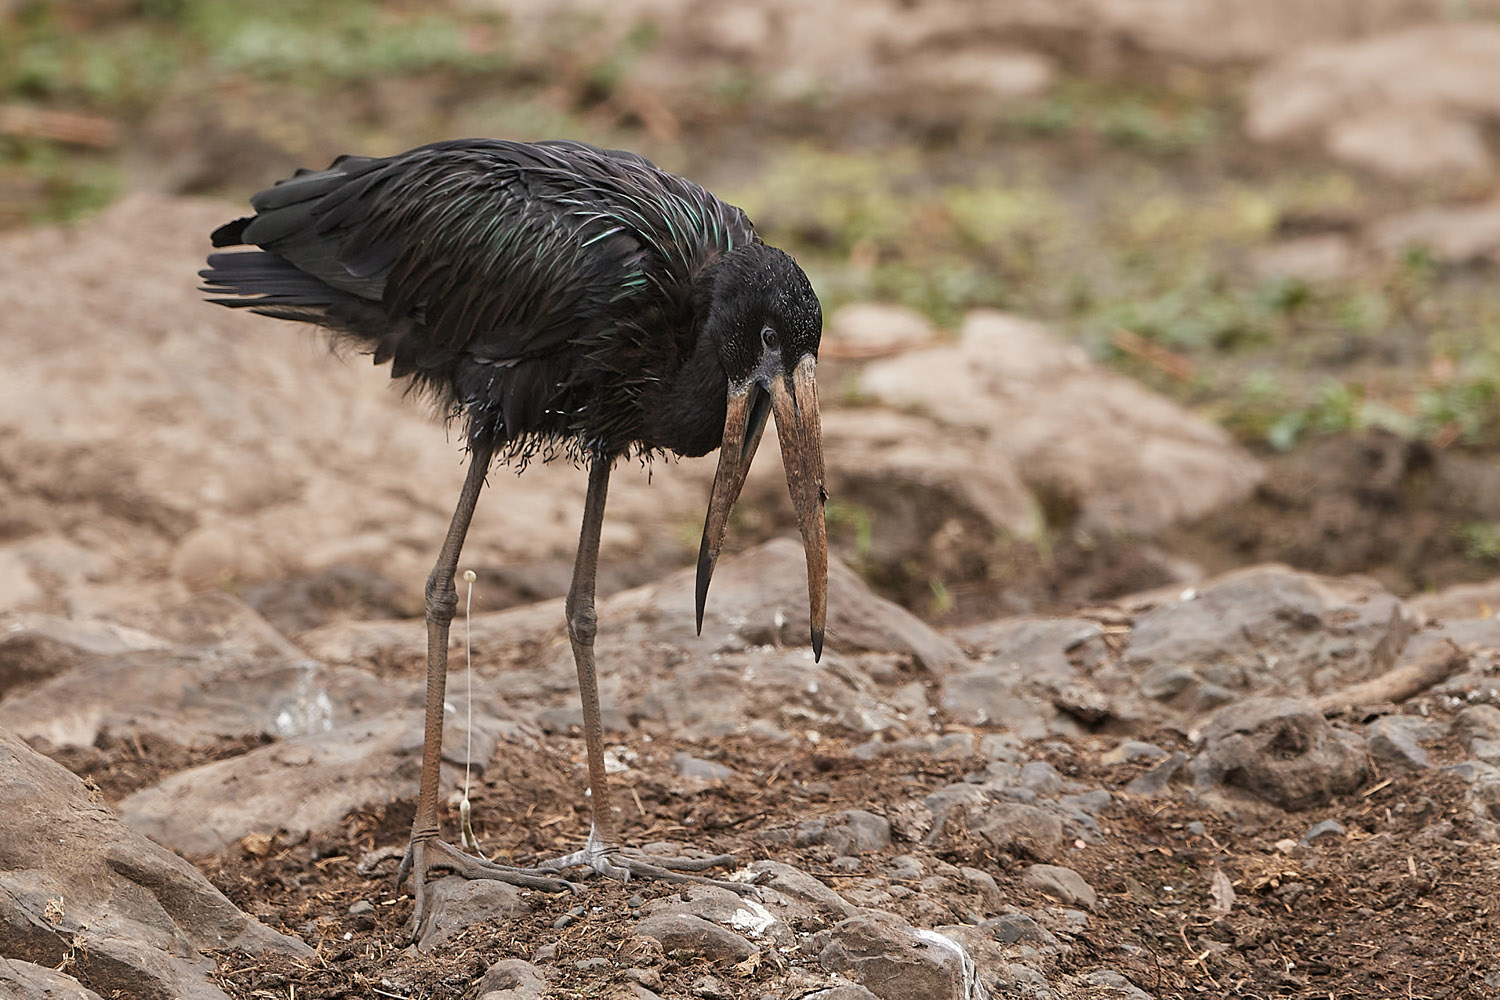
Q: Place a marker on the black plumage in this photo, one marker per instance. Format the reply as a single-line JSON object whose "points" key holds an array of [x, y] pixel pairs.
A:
{"points": [[550, 294], [559, 300]]}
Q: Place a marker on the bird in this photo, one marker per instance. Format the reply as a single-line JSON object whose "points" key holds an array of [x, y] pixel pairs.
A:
{"points": [[559, 301]]}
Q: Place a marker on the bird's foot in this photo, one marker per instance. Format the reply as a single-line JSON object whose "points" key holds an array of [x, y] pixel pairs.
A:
{"points": [[614, 863], [429, 854]]}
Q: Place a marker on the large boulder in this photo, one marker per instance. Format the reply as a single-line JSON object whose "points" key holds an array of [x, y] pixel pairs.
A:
{"points": [[76, 881], [29, 981], [1408, 103], [207, 669], [1265, 630], [1127, 459], [1282, 750], [306, 783]]}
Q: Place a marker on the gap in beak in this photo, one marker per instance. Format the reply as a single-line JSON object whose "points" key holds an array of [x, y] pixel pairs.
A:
{"points": [[760, 409]]}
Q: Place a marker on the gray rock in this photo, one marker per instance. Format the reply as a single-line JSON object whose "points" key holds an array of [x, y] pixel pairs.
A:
{"points": [[1022, 981], [1134, 752], [817, 904], [710, 988], [1167, 680], [744, 915], [849, 992], [143, 915], [772, 691], [1460, 602], [1328, 829], [1041, 777], [890, 959], [1062, 884], [953, 804], [1477, 722], [984, 884], [760, 598], [649, 978], [860, 833], [906, 867], [361, 906], [1282, 750], [1394, 738], [1156, 779], [1266, 630], [993, 695], [1118, 986], [1015, 927], [299, 785], [512, 979], [686, 932], [235, 676], [455, 903], [1021, 830], [1040, 646], [25, 981], [698, 769]]}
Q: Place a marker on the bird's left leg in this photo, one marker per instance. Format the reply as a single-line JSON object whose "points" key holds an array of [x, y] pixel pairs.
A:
{"points": [[601, 852], [426, 851]]}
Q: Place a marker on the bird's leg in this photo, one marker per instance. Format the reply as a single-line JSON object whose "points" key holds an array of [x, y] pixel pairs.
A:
{"points": [[426, 850], [600, 852]]}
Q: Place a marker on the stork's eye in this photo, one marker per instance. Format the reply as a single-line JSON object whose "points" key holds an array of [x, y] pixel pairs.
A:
{"points": [[769, 338]]}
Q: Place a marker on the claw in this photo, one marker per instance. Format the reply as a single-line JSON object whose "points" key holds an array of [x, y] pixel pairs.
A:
{"points": [[417, 864]]}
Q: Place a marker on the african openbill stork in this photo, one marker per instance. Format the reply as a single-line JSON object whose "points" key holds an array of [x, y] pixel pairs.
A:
{"points": [[560, 301]]}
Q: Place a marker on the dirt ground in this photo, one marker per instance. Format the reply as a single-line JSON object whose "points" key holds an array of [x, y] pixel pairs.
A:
{"points": [[1403, 907]]}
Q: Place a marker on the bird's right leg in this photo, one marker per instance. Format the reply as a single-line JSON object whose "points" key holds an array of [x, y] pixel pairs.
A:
{"points": [[427, 851], [601, 852]]}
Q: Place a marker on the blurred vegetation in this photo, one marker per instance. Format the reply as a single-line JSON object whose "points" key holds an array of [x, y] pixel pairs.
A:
{"points": [[1130, 215]]}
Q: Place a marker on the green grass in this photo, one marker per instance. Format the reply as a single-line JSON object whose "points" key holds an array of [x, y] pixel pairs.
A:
{"points": [[1409, 347], [120, 62]]}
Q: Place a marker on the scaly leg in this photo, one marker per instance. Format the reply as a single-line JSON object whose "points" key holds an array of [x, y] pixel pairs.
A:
{"points": [[600, 853], [426, 850]]}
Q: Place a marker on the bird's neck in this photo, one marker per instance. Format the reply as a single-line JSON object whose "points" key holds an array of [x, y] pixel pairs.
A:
{"points": [[689, 417]]}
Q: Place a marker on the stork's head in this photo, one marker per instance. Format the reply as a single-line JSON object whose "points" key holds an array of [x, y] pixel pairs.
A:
{"points": [[767, 323]]}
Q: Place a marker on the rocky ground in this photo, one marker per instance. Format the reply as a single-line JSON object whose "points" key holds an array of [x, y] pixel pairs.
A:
{"points": [[1162, 656], [1260, 783], [1274, 784]]}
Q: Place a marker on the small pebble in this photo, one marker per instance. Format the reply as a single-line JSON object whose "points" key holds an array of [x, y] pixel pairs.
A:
{"points": [[546, 953], [1329, 828], [566, 920], [591, 964], [1197, 829], [648, 978], [636, 902], [578, 911], [710, 988], [362, 906]]}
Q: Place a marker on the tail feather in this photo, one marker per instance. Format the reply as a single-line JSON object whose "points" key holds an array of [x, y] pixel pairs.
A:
{"points": [[260, 278]]}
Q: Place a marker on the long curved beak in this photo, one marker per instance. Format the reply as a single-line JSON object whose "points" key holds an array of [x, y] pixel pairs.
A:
{"points": [[794, 402]]}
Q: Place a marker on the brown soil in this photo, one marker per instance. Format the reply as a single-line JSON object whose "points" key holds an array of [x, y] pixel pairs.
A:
{"points": [[1393, 509], [1399, 908], [1375, 504]]}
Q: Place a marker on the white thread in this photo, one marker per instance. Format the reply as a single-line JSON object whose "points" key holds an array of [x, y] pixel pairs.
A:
{"points": [[470, 841]]}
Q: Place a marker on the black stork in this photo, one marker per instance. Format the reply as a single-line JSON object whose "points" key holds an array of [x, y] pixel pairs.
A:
{"points": [[560, 301]]}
